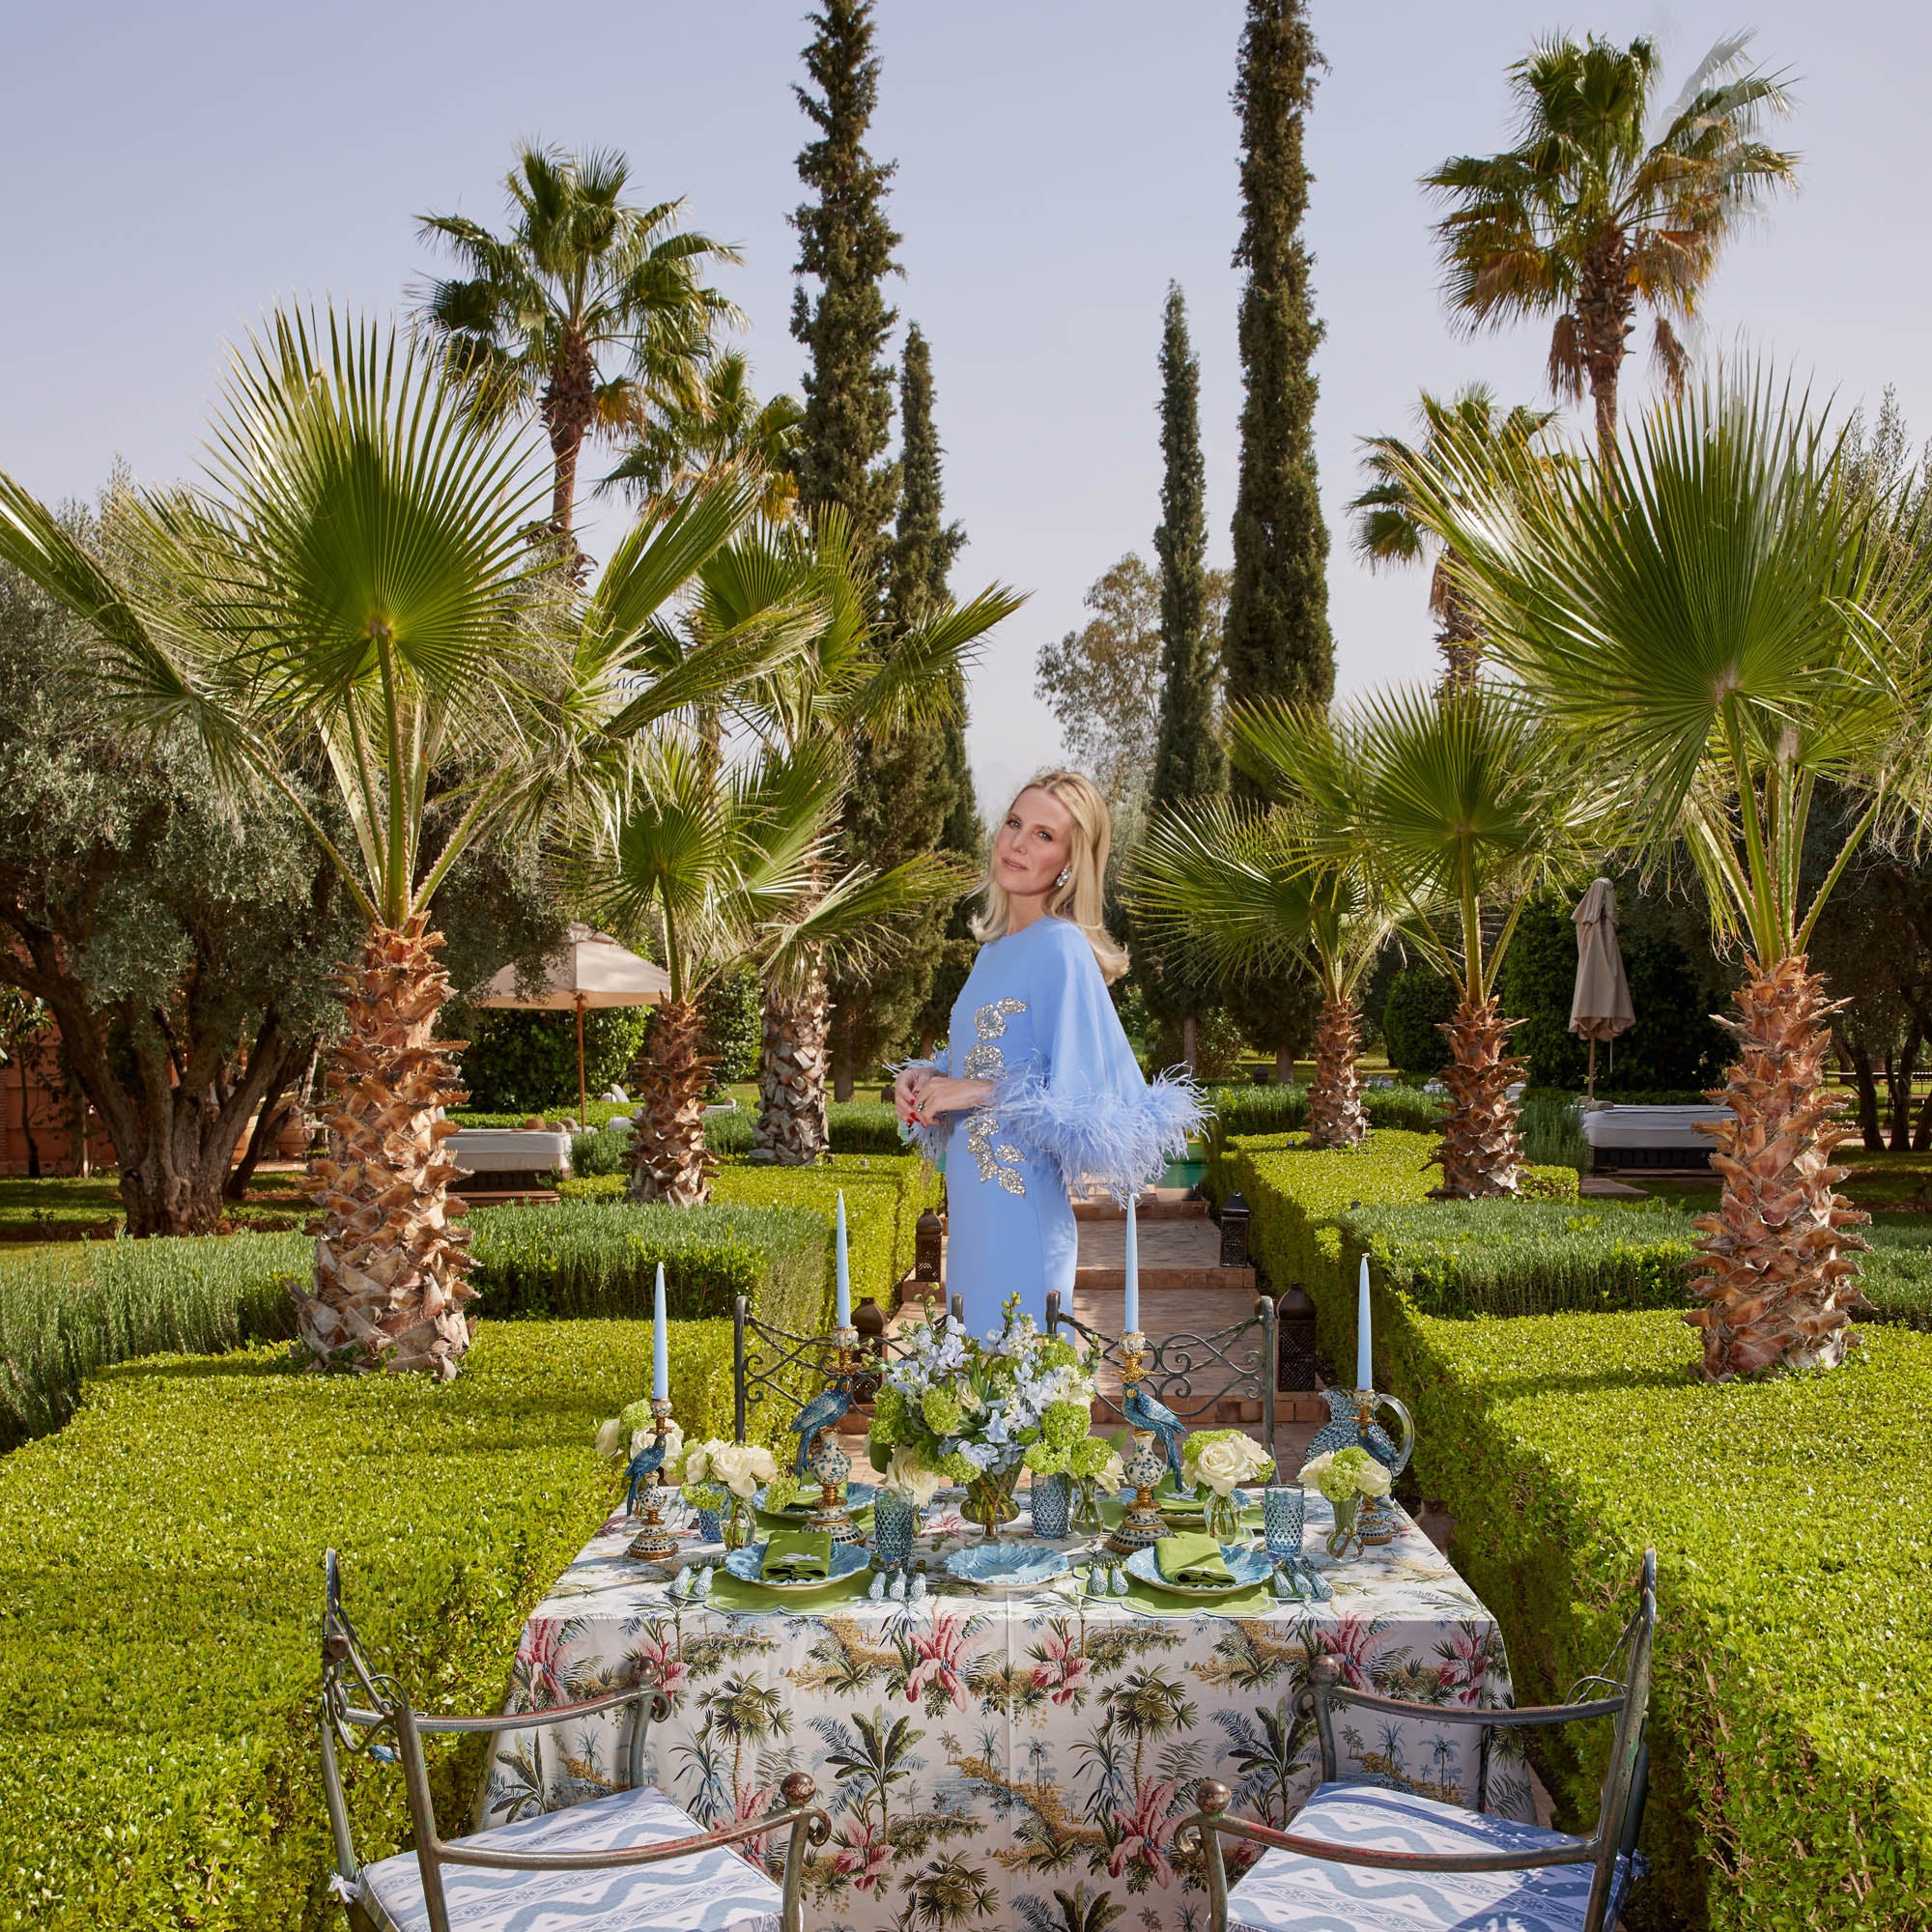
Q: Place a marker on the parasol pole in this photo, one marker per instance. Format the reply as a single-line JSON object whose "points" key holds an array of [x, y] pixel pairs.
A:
{"points": [[1592, 1090], [584, 1112]]}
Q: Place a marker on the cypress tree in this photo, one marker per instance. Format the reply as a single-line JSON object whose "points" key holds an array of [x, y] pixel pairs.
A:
{"points": [[1187, 759], [1277, 643], [846, 244]]}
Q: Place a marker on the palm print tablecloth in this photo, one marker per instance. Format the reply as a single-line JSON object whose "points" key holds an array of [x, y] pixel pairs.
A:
{"points": [[994, 1763]]}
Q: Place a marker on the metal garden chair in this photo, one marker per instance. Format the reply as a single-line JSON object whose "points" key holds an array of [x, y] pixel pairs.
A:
{"points": [[1181, 1367], [763, 1353], [628, 1861], [1367, 1854]]}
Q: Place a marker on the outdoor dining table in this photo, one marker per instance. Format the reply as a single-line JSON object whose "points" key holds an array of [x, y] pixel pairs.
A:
{"points": [[993, 1761]]}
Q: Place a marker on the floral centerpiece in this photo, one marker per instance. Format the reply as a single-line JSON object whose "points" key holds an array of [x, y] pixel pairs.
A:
{"points": [[1222, 1459], [721, 1479], [1344, 1476], [628, 1433], [955, 1410]]}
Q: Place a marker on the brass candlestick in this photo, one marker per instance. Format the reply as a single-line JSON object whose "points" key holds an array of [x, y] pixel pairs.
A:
{"points": [[830, 1464], [653, 1542], [1143, 1526]]}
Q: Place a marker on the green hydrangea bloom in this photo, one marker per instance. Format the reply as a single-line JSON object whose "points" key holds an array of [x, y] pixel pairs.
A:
{"points": [[956, 1469], [1089, 1455], [1065, 1423], [942, 1410]]}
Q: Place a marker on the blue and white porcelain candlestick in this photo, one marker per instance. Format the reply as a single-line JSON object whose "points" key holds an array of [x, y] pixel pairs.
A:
{"points": [[830, 1464], [1143, 1526], [653, 1542]]}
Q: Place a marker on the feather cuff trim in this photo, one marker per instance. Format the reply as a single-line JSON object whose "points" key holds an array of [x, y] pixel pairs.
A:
{"points": [[1121, 1142], [931, 1139]]}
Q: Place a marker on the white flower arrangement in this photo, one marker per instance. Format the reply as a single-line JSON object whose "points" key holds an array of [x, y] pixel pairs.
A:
{"points": [[1224, 1459], [714, 1470], [626, 1435], [1347, 1472], [905, 1475]]}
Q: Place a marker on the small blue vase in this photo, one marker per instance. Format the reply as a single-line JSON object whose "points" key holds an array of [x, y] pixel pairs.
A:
{"points": [[710, 1528], [893, 1522], [1284, 1516], [1052, 1506]]}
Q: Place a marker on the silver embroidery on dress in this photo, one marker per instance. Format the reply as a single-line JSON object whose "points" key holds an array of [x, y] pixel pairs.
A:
{"points": [[982, 1062]]}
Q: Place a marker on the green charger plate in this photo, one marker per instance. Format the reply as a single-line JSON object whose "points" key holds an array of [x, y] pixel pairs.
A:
{"points": [[733, 1593]]}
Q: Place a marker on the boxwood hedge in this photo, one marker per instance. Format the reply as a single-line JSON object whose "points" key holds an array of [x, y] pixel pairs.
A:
{"points": [[161, 1589], [1792, 1728]]}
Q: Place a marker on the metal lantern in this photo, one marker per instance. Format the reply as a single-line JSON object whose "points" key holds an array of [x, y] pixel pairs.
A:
{"points": [[1234, 1231], [927, 1238]]}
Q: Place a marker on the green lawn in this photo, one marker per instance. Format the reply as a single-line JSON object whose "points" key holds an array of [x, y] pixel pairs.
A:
{"points": [[64, 1207]]}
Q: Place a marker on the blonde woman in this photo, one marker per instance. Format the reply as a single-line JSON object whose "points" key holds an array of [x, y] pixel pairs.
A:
{"points": [[1038, 1089]]}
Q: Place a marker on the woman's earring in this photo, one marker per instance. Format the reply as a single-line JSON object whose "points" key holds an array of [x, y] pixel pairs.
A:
{"points": [[1066, 873]]}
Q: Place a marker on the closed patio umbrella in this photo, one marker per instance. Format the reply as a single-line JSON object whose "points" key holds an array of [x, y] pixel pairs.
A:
{"points": [[590, 969], [1601, 1007]]}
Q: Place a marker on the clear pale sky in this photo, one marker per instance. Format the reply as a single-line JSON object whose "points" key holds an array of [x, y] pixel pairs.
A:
{"points": [[177, 170]]}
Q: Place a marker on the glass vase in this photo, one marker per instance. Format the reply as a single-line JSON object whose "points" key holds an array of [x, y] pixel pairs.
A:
{"points": [[1284, 1516], [1052, 1506], [1222, 1517], [989, 1500], [740, 1527], [1086, 1513], [894, 1521], [1344, 1539]]}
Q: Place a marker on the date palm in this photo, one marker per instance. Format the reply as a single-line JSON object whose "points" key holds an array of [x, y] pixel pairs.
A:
{"points": [[715, 867], [350, 589], [1251, 891], [1460, 806], [849, 678], [725, 424], [590, 312], [1725, 621], [1596, 212], [1387, 529]]}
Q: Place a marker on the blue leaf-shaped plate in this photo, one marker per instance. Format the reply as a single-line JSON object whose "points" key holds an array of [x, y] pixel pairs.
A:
{"points": [[858, 1497], [748, 1566], [1247, 1566], [998, 1566]]}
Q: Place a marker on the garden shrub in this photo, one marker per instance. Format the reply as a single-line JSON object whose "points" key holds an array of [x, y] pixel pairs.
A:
{"points": [[161, 1592], [1896, 1276], [599, 1114], [581, 1258], [1419, 1000], [1297, 1195], [865, 1127], [529, 1061], [1279, 1111], [1551, 1131], [65, 1313], [1791, 1730]]}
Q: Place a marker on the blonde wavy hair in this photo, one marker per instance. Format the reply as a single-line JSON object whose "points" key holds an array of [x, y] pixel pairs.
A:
{"points": [[1082, 901]]}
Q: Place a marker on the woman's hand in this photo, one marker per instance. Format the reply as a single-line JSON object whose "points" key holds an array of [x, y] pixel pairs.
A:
{"points": [[939, 1094], [906, 1090]]}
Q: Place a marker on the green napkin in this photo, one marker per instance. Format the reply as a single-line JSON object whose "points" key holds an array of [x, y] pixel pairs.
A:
{"points": [[791, 1555], [1191, 1559]]}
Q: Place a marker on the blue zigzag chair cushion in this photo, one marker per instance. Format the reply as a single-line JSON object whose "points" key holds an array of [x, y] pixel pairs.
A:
{"points": [[1287, 1893], [715, 1890]]}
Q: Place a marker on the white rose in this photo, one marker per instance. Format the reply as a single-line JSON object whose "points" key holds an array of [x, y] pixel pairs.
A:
{"points": [[1221, 1465], [908, 1477], [638, 1438], [1373, 1481], [698, 1461], [610, 1437], [673, 1444], [1113, 1474], [1314, 1468]]}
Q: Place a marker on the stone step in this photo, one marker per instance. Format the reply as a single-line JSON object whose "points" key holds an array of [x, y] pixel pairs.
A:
{"points": [[1163, 1280], [1157, 1204]]}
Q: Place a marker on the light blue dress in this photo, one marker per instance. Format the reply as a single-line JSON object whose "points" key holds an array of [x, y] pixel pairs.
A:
{"points": [[1069, 1105]]}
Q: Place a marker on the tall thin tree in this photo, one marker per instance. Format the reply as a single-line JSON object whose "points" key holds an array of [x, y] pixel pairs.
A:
{"points": [[1189, 764], [1277, 645]]}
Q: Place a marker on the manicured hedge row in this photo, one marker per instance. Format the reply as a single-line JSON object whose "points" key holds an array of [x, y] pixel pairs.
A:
{"points": [[1791, 1771], [69, 1310], [598, 1259], [161, 1589], [1463, 1257], [1297, 1195], [1238, 1111]]}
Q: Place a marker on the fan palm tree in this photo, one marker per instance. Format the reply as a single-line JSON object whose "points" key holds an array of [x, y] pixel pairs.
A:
{"points": [[583, 277], [1725, 621], [715, 867], [1461, 807], [726, 424], [1595, 209], [850, 678], [351, 588], [1387, 530], [1248, 888]]}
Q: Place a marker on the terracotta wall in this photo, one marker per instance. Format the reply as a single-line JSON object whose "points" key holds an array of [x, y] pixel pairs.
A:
{"points": [[49, 1111]]}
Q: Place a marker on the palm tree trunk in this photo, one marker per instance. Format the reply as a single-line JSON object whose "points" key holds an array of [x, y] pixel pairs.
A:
{"points": [[1605, 306], [791, 1127], [1776, 1288], [1335, 1115], [1459, 637], [388, 1285], [668, 1159], [569, 406], [1479, 1156]]}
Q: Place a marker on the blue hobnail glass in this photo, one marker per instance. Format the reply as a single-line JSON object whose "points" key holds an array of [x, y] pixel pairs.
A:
{"points": [[1284, 1516], [1052, 1506], [710, 1527], [893, 1522]]}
